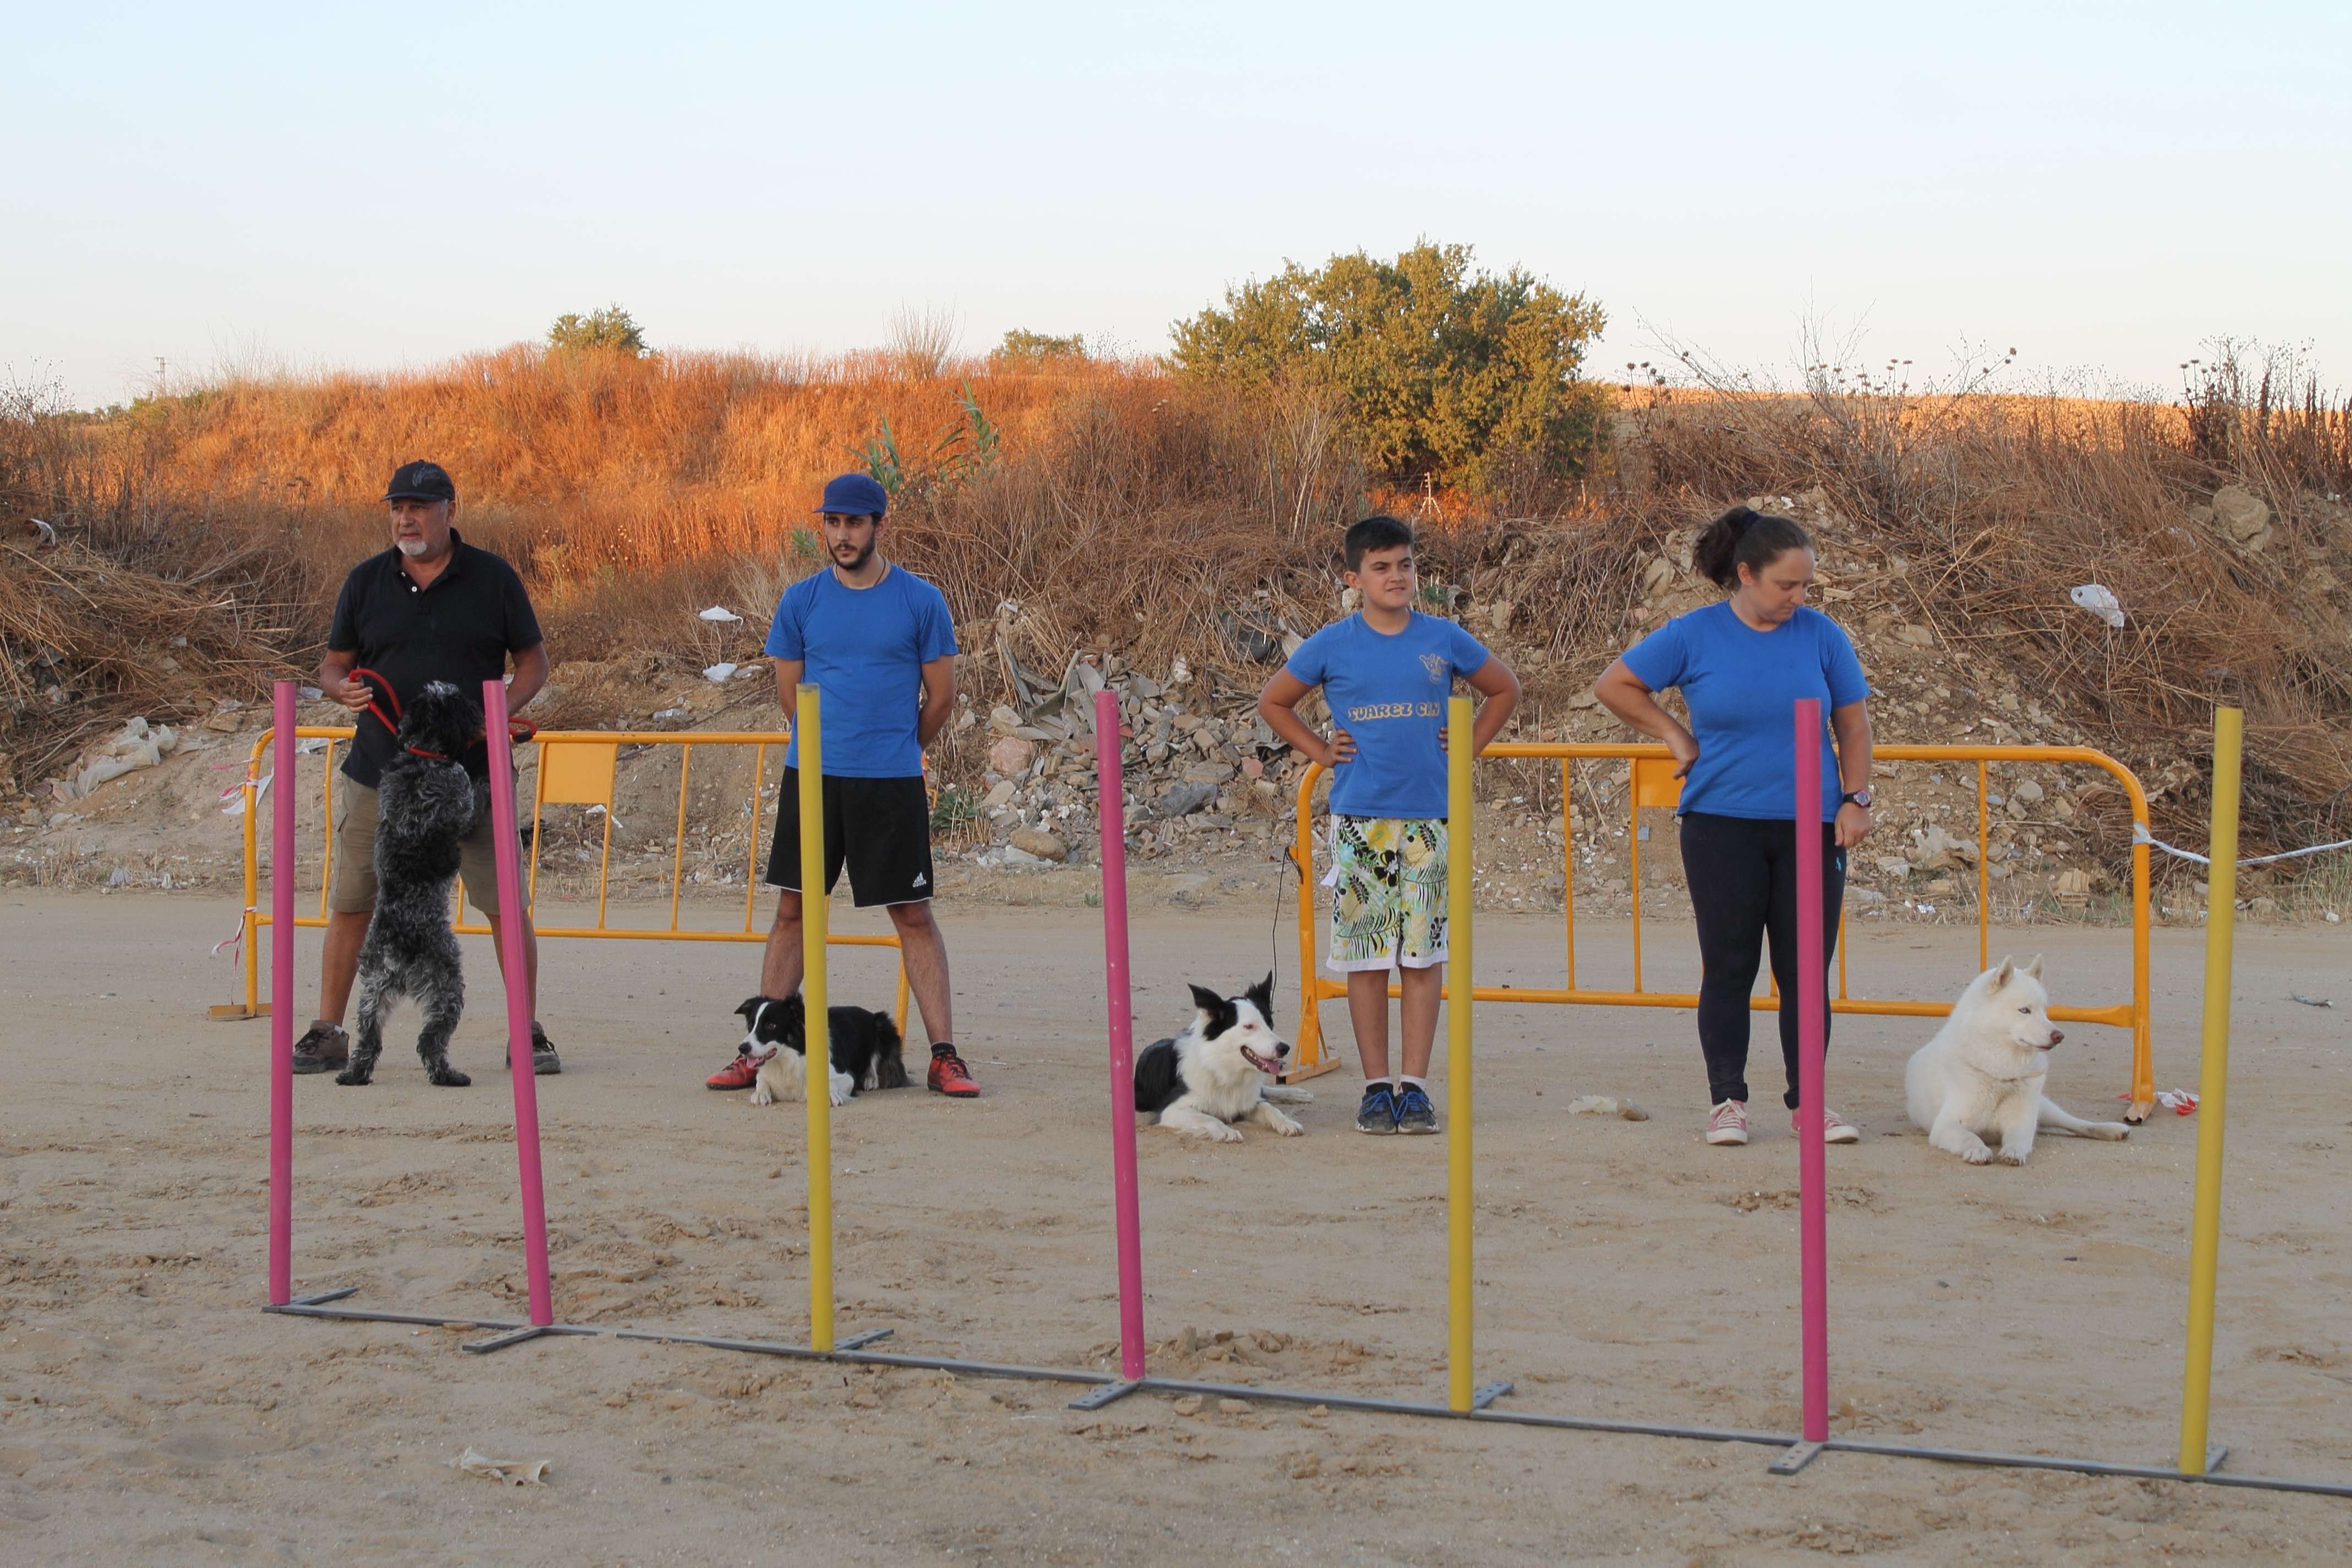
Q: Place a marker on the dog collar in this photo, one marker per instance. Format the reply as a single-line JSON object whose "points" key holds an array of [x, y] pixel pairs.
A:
{"points": [[1996, 1078], [430, 756]]}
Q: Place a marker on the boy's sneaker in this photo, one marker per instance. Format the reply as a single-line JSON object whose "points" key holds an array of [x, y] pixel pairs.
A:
{"points": [[1835, 1129], [323, 1047], [1727, 1124], [1414, 1112], [741, 1071], [1379, 1111], [949, 1077]]}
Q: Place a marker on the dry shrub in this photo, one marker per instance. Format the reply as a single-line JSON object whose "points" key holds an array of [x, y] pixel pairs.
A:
{"points": [[1986, 510], [1124, 510]]}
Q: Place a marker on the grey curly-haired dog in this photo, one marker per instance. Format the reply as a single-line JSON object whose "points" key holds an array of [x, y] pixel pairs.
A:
{"points": [[425, 802]]}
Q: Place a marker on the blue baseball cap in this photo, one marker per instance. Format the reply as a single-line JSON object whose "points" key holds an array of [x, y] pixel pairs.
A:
{"points": [[854, 495]]}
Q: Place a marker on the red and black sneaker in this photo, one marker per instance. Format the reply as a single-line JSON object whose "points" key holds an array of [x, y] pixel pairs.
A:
{"points": [[740, 1072], [949, 1077]]}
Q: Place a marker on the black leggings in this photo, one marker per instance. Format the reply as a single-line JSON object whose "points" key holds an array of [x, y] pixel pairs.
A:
{"points": [[1743, 887]]}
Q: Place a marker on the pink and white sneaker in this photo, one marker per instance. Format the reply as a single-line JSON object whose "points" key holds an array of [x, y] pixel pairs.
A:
{"points": [[1835, 1129], [1727, 1124]]}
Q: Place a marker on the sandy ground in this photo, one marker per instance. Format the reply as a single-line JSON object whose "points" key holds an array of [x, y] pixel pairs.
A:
{"points": [[151, 1414]]}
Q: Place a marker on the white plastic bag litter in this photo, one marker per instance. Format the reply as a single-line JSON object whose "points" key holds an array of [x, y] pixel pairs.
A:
{"points": [[2100, 601], [513, 1472]]}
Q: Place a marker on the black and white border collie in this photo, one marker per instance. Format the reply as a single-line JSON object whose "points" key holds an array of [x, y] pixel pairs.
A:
{"points": [[1215, 1074], [865, 1049]]}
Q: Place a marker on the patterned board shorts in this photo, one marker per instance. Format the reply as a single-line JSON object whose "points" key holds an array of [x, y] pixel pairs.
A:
{"points": [[1388, 898]]}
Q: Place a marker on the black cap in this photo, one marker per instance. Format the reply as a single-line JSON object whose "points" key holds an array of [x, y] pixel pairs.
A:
{"points": [[421, 482]]}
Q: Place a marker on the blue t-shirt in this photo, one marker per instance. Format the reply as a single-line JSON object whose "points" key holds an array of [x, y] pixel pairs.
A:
{"points": [[1388, 693], [865, 649], [1738, 683]]}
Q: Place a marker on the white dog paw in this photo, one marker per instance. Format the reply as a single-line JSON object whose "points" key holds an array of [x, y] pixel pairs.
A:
{"points": [[1286, 1127], [1226, 1134], [760, 1096], [2010, 1157], [1979, 1155], [2113, 1131]]}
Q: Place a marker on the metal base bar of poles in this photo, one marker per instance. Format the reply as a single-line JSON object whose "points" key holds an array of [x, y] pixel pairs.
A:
{"points": [[511, 1337], [425, 1320], [1799, 1455], [1108, 1386], [1094, 1399]]}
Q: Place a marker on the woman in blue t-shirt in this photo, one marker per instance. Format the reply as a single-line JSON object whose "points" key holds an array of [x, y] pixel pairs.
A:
{"points": [[1741, 664]]}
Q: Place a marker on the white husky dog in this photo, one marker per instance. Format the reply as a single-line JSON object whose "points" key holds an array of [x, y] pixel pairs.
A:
{"points": [[1983, 1073]]}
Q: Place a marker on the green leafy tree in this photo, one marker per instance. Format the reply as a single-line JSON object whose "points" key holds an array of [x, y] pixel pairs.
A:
{"points": [[1025, 350], [609, 331], [1447, 372]]}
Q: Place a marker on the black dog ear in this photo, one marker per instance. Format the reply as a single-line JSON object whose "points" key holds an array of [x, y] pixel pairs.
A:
{"points": [[749, 1006], [1220, 1012], [1261, 995]]}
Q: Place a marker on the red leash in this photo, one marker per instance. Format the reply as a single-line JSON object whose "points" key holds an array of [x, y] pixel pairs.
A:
{"points": [[516, 728]]}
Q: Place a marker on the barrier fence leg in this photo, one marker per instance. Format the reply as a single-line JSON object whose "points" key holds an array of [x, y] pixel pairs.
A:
{"points": [[1812, 1165], [281, 994], [1111, 808], [2213, 1082], [506, 845], [817, 1073]]}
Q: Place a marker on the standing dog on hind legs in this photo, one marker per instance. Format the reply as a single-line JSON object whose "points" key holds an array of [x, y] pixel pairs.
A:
{"points": [[426, 804], [1982, 1074]]}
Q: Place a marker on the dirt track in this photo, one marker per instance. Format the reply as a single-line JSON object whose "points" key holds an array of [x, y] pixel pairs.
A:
{"points": [[151, 1414]]}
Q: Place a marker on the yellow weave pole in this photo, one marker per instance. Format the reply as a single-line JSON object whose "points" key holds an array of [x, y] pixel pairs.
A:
{"points": [[2213, 1082], [816, 1076], [1457, 1049]]}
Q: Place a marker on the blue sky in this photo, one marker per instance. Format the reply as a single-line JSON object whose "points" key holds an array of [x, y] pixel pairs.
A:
{"points": [[2102, 186]]}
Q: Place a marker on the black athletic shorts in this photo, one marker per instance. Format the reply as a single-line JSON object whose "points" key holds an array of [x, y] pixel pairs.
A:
{"points": [[881, 827]]}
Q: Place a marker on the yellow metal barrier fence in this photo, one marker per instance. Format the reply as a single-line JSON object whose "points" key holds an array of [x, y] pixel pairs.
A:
{"points": [[576, 767], [1653, 783]]}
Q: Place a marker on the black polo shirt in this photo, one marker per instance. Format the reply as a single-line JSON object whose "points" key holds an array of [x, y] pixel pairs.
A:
{"points": [[459, 629]]}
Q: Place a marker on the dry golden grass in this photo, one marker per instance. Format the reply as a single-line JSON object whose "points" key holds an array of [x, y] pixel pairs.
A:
{"points": [[1126, 510]]}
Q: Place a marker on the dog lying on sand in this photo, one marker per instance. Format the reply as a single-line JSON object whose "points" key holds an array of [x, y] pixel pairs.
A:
{"points": [[1981, 1076], [865, 1049], [1215, 1074]]}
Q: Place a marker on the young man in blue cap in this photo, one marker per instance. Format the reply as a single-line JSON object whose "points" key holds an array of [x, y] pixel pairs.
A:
{"points": [[878, 643]]}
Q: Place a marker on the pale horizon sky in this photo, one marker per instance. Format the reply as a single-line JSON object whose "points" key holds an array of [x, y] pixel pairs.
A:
{"points": [[2106, 189]]}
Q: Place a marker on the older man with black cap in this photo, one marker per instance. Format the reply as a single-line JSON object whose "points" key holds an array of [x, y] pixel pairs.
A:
{"points": [[880, 645], [431, 608]]}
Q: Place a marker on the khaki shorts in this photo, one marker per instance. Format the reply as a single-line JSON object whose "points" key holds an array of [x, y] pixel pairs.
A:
{"points": [[355, 889]]}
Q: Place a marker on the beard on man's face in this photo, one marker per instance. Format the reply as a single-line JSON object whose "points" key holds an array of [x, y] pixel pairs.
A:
{"points": [[412, 548], [852, 557]]}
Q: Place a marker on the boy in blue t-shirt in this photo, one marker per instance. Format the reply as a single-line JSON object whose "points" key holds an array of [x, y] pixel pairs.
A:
{"points": [[1386, 673]]}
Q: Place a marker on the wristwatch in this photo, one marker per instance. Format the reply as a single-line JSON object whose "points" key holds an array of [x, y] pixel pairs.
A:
{"points": [[1861, 797]]}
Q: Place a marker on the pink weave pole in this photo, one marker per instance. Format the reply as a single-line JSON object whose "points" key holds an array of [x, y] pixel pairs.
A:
{"points": [[281, 997], [508, 848], [1813, 1001], [1111, 808]]}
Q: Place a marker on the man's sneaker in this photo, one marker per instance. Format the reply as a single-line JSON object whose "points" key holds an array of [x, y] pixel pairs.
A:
{"points": [[324, 1048], [544, 1062], [949, 1077], [1379, 1111], [741, 1071], [1835, 1129], [1727, 1124], [1414, 1112]]}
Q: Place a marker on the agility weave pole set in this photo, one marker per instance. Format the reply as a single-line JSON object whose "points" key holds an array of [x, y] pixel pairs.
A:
{"points": [[1465, 1400]]}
